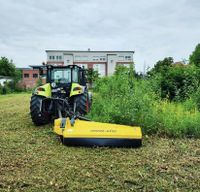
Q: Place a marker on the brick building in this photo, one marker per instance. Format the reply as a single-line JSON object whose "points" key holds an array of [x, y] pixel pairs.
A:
{"points": [[102, 61], [30, 77]]}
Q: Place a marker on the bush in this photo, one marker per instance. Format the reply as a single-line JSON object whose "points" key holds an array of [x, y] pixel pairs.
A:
{"points": [[196, 98], [11, 87], [39, 82], [178, 83], [7, 68], [1, 89], [119, 100]]}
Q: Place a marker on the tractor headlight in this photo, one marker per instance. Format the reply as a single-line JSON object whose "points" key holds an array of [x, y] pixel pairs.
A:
{"points": [[53, 84]]}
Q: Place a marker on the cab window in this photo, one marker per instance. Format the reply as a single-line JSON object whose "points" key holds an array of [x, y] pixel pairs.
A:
{"points": [[61, 75], [75, 78]]}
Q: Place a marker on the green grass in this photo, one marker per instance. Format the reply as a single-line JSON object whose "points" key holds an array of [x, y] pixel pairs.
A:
{"points": [[176, 119], [32, 159]]}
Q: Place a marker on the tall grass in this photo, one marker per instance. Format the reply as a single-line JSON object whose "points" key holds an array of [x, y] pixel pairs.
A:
{"points": [[173, 119], [132, 102]]}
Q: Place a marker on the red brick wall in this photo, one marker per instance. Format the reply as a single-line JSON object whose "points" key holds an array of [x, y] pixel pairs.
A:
{"points": [[29, 82]]}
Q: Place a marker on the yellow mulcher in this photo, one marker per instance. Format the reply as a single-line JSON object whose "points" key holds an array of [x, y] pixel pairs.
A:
{"points": [[65, 98]]}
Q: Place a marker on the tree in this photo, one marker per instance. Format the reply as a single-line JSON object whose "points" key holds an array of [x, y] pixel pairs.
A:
{"points": [[91, 75], [162, 66], [195, 56], [39, 82], [174, 81], [179, 82], [7, 68], [120, 69]]}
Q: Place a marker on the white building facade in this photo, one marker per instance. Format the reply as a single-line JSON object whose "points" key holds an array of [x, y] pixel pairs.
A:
{"points": [[102, 61]]}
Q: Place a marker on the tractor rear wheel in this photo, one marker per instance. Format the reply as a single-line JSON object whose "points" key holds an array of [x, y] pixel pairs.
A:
{"points": [[82, 103], [38, 118]]}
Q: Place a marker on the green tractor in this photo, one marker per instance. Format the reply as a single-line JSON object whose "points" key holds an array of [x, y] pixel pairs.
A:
{"points": [[64, 95]]}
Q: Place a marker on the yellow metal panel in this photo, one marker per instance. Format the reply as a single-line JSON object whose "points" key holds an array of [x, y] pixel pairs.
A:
{"points": [[89, 129], [46, 92], [57, 129], [77, 92]]}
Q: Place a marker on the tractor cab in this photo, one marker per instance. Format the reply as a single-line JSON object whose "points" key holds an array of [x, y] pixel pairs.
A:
{"points": [[61, 78]]}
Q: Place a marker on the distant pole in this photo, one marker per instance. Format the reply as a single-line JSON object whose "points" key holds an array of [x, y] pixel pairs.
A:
{"points": [[144, 70]]}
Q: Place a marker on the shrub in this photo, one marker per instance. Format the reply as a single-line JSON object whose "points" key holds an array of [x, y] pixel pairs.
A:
{"points": [[92, 75], [39, 82], [117, 99], [196, 98], [178, 83]]}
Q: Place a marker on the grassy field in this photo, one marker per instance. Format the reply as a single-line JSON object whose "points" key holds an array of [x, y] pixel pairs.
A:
{"points": [[32, 159]]}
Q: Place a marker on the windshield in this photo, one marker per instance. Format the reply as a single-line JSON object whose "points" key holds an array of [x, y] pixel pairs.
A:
{"points": [[61, 75]]}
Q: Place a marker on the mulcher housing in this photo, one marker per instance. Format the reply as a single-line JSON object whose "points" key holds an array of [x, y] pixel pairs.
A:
{"points": [[88, 133]]}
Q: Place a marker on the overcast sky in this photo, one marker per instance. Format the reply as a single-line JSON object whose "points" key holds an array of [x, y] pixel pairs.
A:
{"points": [[153, 29]]}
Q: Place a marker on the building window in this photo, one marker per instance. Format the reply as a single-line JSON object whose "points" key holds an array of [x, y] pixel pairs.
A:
{"points": [[35, 75], [95, 58], [128, 57], [51, 57], [26, 75], [102, 58], [100, 68], [77, 58], [58, 57]]}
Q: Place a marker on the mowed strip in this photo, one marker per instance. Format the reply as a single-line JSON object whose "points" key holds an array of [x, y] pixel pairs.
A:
{"points": [[32, 159]]}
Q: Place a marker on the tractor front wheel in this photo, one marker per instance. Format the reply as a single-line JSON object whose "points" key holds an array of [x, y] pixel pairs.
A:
{"points": [[38, 118]]}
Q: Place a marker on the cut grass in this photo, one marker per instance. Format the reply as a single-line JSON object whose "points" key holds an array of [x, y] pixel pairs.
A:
{"points": [[32, 159]]}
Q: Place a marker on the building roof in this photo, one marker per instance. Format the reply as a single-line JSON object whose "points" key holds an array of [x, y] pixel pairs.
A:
{"points": [[37, 66], [23, 68], [86, 51]]}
